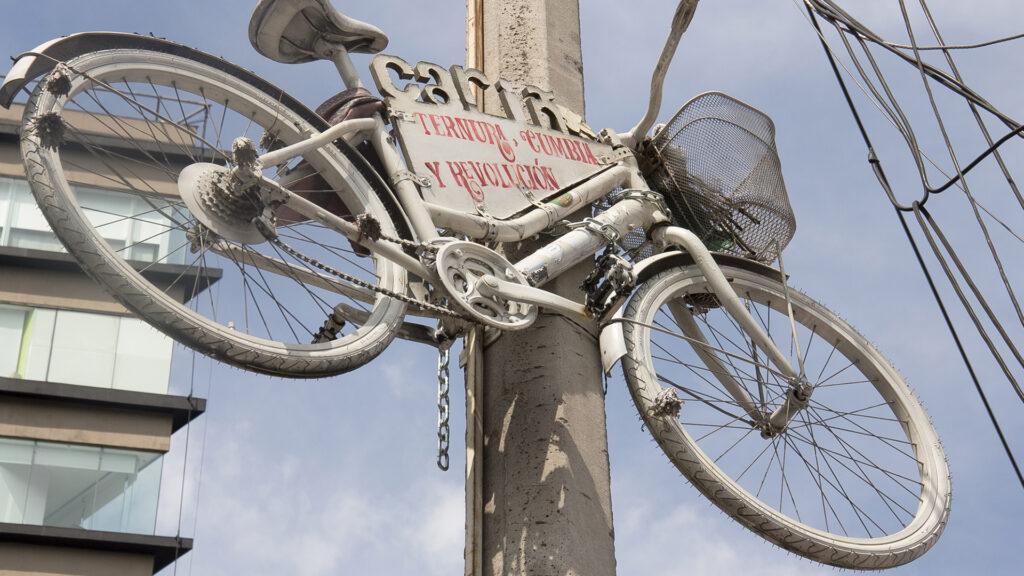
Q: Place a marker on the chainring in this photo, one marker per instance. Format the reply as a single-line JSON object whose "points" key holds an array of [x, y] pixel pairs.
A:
{"points": [[460, 266]]}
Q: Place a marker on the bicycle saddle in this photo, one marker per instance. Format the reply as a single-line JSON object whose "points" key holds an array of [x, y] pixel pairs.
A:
{"points": [[293, 31]]}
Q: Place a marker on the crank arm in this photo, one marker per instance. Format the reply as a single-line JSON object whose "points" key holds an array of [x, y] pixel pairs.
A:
{"points": [[493, 286]]}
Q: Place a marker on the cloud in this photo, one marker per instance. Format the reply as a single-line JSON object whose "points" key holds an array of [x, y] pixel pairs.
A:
{"points": [[317, 478], [660, 533], [395, 375], [437, 537], [276, 519]]}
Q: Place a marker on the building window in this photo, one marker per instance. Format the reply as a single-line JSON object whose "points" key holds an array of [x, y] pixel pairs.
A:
{"points": [[137, 227], [67, 485], [25, 226], [83, 348]]}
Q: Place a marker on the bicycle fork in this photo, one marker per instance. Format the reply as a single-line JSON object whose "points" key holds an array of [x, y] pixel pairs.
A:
{"points": [[639, 208], [799, 390]]}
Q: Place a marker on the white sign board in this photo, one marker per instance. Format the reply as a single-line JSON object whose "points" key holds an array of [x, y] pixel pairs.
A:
{"points": [[479, 162]]}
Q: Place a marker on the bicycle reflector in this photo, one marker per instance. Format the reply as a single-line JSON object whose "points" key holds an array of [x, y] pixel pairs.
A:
{"points": [[715, 162]]}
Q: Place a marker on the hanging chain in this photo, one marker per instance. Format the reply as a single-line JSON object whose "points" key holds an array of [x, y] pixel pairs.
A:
{"points": [[443, 403], [444, 341]]}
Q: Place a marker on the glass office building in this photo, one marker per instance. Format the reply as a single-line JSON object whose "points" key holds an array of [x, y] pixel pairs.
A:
{"points": [[83, 348], [22, 224], [75, 486], [85, 411]]}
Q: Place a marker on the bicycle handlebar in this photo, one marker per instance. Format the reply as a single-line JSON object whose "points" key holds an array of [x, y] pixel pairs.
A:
{"points": [[680, 22]]}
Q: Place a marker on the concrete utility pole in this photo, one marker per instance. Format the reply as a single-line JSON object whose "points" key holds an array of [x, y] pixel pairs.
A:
{"points": [[543, 480]]}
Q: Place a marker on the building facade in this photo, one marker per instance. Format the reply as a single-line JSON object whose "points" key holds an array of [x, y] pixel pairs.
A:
{"points": [[85, 411]]}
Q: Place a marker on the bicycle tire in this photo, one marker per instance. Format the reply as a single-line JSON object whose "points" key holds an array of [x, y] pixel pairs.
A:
{"points": [[678, 436], [123, 280]]}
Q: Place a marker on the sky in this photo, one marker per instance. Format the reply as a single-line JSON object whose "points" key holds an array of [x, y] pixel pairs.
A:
{"points": [[337, 476]]}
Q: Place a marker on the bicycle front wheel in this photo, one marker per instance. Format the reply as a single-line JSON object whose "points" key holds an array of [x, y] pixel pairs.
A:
{"points": [[857, 479], [103, 156]]}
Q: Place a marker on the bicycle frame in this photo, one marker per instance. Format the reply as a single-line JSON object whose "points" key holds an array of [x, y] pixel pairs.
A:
{"points": [[637, 211], [639, 208], [228, 208]]}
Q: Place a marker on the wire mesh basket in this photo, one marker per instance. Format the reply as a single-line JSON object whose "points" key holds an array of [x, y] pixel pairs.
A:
{"points": [[715, 162]]}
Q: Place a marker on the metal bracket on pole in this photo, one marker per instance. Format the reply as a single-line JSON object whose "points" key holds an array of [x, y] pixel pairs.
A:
{"points": [[401, 116], [617, 155], [600, 228], [402, 175]]}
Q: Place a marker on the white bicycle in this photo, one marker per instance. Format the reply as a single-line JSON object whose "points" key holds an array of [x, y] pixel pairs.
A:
{"points": [[259, 233]]}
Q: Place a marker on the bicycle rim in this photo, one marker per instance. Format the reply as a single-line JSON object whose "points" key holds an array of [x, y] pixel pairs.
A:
{"points": [[132, 121], [857, 479]]}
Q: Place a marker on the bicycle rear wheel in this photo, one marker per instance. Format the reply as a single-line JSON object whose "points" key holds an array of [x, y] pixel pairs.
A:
{"points": [[858, 479], [132, 120]]}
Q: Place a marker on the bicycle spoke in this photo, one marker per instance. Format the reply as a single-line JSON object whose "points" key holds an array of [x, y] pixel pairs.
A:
{"points": [[697, 396], [839, 479]]}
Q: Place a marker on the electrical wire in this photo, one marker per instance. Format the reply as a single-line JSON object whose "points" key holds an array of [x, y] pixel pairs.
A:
{"points": [[931, 229], [974, 109], [832, 13], [895, 116], [184, 461], [202, 462], [963, 352], [902, 124], [892, 116], [958, 46], [993, 251]]}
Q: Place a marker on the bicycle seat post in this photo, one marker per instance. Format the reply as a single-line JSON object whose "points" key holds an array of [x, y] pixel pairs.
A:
{"points": [[343, 62]]}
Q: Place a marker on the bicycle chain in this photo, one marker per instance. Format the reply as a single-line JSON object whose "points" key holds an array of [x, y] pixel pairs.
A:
{"points": [[364, 284], [417, 246], [444, 345], [271, 238]]}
